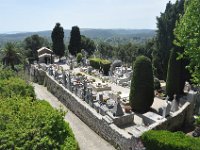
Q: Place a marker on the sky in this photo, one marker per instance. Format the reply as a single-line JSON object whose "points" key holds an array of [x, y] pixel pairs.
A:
{"points": [[39, 15]]}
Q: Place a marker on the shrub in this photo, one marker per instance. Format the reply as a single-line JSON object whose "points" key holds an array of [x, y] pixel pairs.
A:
{"points": [[16, 86], [105, 66], [6, 74], [79, 57], [97, 63], [27, 124], [142, 85], [165, 140]]}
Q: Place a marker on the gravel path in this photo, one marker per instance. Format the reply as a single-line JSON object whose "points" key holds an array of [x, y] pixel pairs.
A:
{"points": [[87, 138]]}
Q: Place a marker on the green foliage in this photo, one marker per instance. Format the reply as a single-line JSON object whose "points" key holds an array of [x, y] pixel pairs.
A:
{"points": [[27, 124], [197, 121], [165, 140], [57, 37], [173, 75], [6, 74], [142, 85], [105, 66], [188, 35], [10, 55], [32, 44], [79, 57], [165, 37], [16, 86], [30, 124], [95, 62], [98, 63], [75, 41], [87, 44]]}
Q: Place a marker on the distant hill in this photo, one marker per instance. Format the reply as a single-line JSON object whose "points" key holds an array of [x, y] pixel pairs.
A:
{"points": [[103, 34]]}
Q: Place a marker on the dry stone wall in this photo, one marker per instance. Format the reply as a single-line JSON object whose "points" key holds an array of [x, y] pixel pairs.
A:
{"points": [[102, 125]]}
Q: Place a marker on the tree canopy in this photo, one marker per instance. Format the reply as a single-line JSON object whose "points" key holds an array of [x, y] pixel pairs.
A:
{"points": [[188, 35], [32, 44], [57, 37], [75, 41], [87, 44], [10, 55], [165, 37]]}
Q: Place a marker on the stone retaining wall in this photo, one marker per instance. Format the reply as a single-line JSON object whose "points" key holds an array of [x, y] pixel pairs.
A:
{"points": [[102, 125]]}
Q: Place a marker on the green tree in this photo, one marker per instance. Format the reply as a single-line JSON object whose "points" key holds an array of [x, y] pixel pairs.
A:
{"points": [[188, 35], [10, 55], [173, 75], [165, 37], [32, 44], [87, 44], [57, 37], [75, 41], [142, 85], [79, 57]]}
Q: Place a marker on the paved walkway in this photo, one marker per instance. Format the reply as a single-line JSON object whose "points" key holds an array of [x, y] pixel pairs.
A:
{"points": [[87, 138]]}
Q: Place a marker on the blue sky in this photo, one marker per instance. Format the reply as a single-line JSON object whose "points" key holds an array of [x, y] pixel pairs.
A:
{"points": [[38, 15]]}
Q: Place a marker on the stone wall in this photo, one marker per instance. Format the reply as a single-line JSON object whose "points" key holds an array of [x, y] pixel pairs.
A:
{"points": [[102, 125]]}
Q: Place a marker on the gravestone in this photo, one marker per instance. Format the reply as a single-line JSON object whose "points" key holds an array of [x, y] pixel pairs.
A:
{"points": [[69, 82], [117, 110], [64, 79], [166, 108], [175, 104]]}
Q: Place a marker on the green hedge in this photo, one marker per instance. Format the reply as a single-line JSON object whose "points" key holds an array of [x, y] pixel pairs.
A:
{"points": [[165, 140], [27, 124], [96, 63]]}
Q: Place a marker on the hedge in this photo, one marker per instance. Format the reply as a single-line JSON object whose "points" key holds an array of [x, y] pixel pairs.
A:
{"points": [[97, 63], [27, 124], [166, 140]]}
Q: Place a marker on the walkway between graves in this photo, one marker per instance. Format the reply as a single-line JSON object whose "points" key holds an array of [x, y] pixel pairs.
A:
{"points": [[158, 103], [87, 138]]}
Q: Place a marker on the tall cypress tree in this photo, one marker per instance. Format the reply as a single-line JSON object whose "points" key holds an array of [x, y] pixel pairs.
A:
{"points": [[57, 37], [173, 75], [165, 37], [142, 85], [75, 41]]}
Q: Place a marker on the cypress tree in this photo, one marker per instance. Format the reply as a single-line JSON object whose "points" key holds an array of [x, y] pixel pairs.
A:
{"points": [[57, 37], [165, 36], [142, 85], [75, 41], [176, 74]]}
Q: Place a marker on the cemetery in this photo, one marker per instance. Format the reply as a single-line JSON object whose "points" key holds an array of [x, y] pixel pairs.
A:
{"points": [[102, 102]]}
